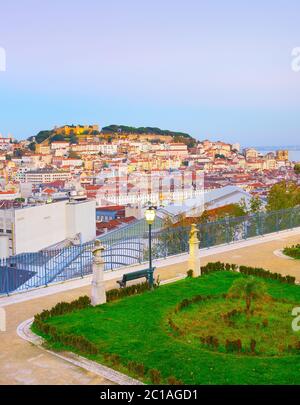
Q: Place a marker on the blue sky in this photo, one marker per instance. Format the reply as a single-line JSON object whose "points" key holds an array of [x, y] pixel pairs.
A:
{"points": [[215, 69]]}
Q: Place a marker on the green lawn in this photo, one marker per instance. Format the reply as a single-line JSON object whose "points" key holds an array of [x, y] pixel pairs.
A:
{"points": [[225, 319], [136, 328]]}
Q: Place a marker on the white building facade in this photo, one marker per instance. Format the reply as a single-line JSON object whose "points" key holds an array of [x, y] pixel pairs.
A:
{"points": [[33, 228]]}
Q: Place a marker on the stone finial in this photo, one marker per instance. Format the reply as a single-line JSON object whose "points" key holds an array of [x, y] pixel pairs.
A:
{"points": [[194, 234], [98, 249]]}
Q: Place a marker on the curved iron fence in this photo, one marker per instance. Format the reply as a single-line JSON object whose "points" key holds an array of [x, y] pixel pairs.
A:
{"points": [[129, 245]]}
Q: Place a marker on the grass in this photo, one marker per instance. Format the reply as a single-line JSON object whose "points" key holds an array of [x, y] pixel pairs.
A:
{"points": [[136, 329], [269, 325], [293, 251]]}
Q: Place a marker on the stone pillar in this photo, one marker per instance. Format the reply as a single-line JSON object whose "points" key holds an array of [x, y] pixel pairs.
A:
{"points": [[98, 283], [194, 252]]}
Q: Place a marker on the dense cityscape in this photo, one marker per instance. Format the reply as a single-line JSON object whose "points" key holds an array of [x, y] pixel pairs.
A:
{"points": [[117, 172], [156, 257]]}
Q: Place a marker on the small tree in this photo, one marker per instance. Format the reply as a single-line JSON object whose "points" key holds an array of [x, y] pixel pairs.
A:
{"points": [[283, 195], [243, 206], [248, 288], [73, 139], [255, 204], [297, 168]]}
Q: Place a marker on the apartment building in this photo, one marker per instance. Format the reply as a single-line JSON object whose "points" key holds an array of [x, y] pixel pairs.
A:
{"points": [[250, 153], [60, 145], [42, 148], [46, 176], [5, 143], [30, 228]]}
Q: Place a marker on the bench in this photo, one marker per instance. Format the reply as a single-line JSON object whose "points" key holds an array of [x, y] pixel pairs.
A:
{"points": [[134, 276]]}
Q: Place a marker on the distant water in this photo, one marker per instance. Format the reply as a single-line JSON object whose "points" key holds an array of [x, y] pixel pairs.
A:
{"points": [[294, 155]]}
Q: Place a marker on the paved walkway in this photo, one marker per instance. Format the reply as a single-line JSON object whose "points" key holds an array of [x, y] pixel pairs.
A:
{"points": [[22, 363]]}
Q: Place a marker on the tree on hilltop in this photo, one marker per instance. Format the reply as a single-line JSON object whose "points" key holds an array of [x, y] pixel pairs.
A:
{"points": [[297, 168]]}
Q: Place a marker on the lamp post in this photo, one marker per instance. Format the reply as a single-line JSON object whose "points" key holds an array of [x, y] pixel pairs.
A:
{"points": [[150, 214]]}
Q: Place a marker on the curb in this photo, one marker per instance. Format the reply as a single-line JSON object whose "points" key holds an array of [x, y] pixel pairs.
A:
{"points": [[24, 332], [279, 253]]}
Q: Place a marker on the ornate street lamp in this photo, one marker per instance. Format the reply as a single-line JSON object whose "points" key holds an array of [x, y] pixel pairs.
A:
{"points": [[150, 215]]}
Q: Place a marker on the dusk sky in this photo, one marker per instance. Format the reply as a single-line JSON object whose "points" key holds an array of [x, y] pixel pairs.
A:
{"points": [[214, 69]]}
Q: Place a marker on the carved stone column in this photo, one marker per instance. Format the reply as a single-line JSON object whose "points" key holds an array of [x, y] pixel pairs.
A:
{"points": [[194, 252], [98, 283]]}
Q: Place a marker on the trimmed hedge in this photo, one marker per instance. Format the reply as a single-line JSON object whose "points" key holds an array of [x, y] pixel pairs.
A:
{"points": [[186, 302], [118, 293], [259, 272], [247, 270], [78, 342], [293, 251], [64, 307], [218, 266]]}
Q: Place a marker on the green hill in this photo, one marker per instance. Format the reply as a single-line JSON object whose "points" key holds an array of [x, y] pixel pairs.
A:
{"points": [[111, 131], [142, 130]]}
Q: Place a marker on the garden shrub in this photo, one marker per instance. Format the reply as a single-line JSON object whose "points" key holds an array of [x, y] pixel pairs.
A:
{"points": [[210, 341], [140, 369], [190, 273], [265, 323], [233, 345], [174, 381], [227, 317], [114, 359], [155, 376], [252, 345], [136, 368], [174, 327], [217, 266]]}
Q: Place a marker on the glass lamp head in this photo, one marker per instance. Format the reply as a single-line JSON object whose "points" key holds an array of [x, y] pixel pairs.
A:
{"points": [[150, 215]]}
